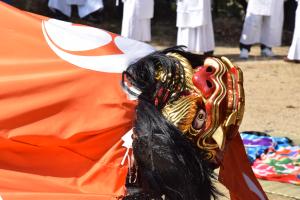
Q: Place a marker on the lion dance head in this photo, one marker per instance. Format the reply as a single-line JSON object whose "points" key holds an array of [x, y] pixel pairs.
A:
{"points": [[189, 105]]}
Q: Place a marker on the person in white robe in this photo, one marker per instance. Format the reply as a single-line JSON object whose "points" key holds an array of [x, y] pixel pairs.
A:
{"points": [[294, 51], [85, 7], [195, 28], [263, 24], [136, 23]]}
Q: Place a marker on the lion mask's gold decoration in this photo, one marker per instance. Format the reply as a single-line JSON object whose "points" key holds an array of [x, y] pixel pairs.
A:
{"points": [[212, 108]]}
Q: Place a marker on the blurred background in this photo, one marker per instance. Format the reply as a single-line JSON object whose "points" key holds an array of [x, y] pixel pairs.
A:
{"points": [[228, 18]]}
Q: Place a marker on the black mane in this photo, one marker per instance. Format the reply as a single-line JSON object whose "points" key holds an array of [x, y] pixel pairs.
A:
{"points": [[167, 163]]}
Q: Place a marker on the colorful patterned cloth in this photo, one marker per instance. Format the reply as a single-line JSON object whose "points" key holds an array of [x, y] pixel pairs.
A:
{"points": [[273, 158], [256, 145]]}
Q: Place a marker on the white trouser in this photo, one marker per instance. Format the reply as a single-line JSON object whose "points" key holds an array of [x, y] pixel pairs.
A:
{"points": [[263, 29], [137, 29], [198, 39], [294, 51], [136, 23]]}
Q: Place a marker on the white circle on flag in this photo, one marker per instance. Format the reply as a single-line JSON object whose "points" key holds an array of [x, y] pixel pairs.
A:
{"points": [[76, 37], [69, 41]]}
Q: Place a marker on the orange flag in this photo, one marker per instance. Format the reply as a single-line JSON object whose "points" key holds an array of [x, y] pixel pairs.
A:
{"points": [[62, 110]]}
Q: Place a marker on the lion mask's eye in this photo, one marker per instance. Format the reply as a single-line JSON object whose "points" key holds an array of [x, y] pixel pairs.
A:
{"points": [[199, 119]]}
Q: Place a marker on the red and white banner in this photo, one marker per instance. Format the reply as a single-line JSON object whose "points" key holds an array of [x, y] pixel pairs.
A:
{"points": [[62, 110]]}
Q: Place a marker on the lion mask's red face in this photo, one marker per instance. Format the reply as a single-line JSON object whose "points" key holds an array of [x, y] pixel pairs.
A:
{"points": [[211, 109]]}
